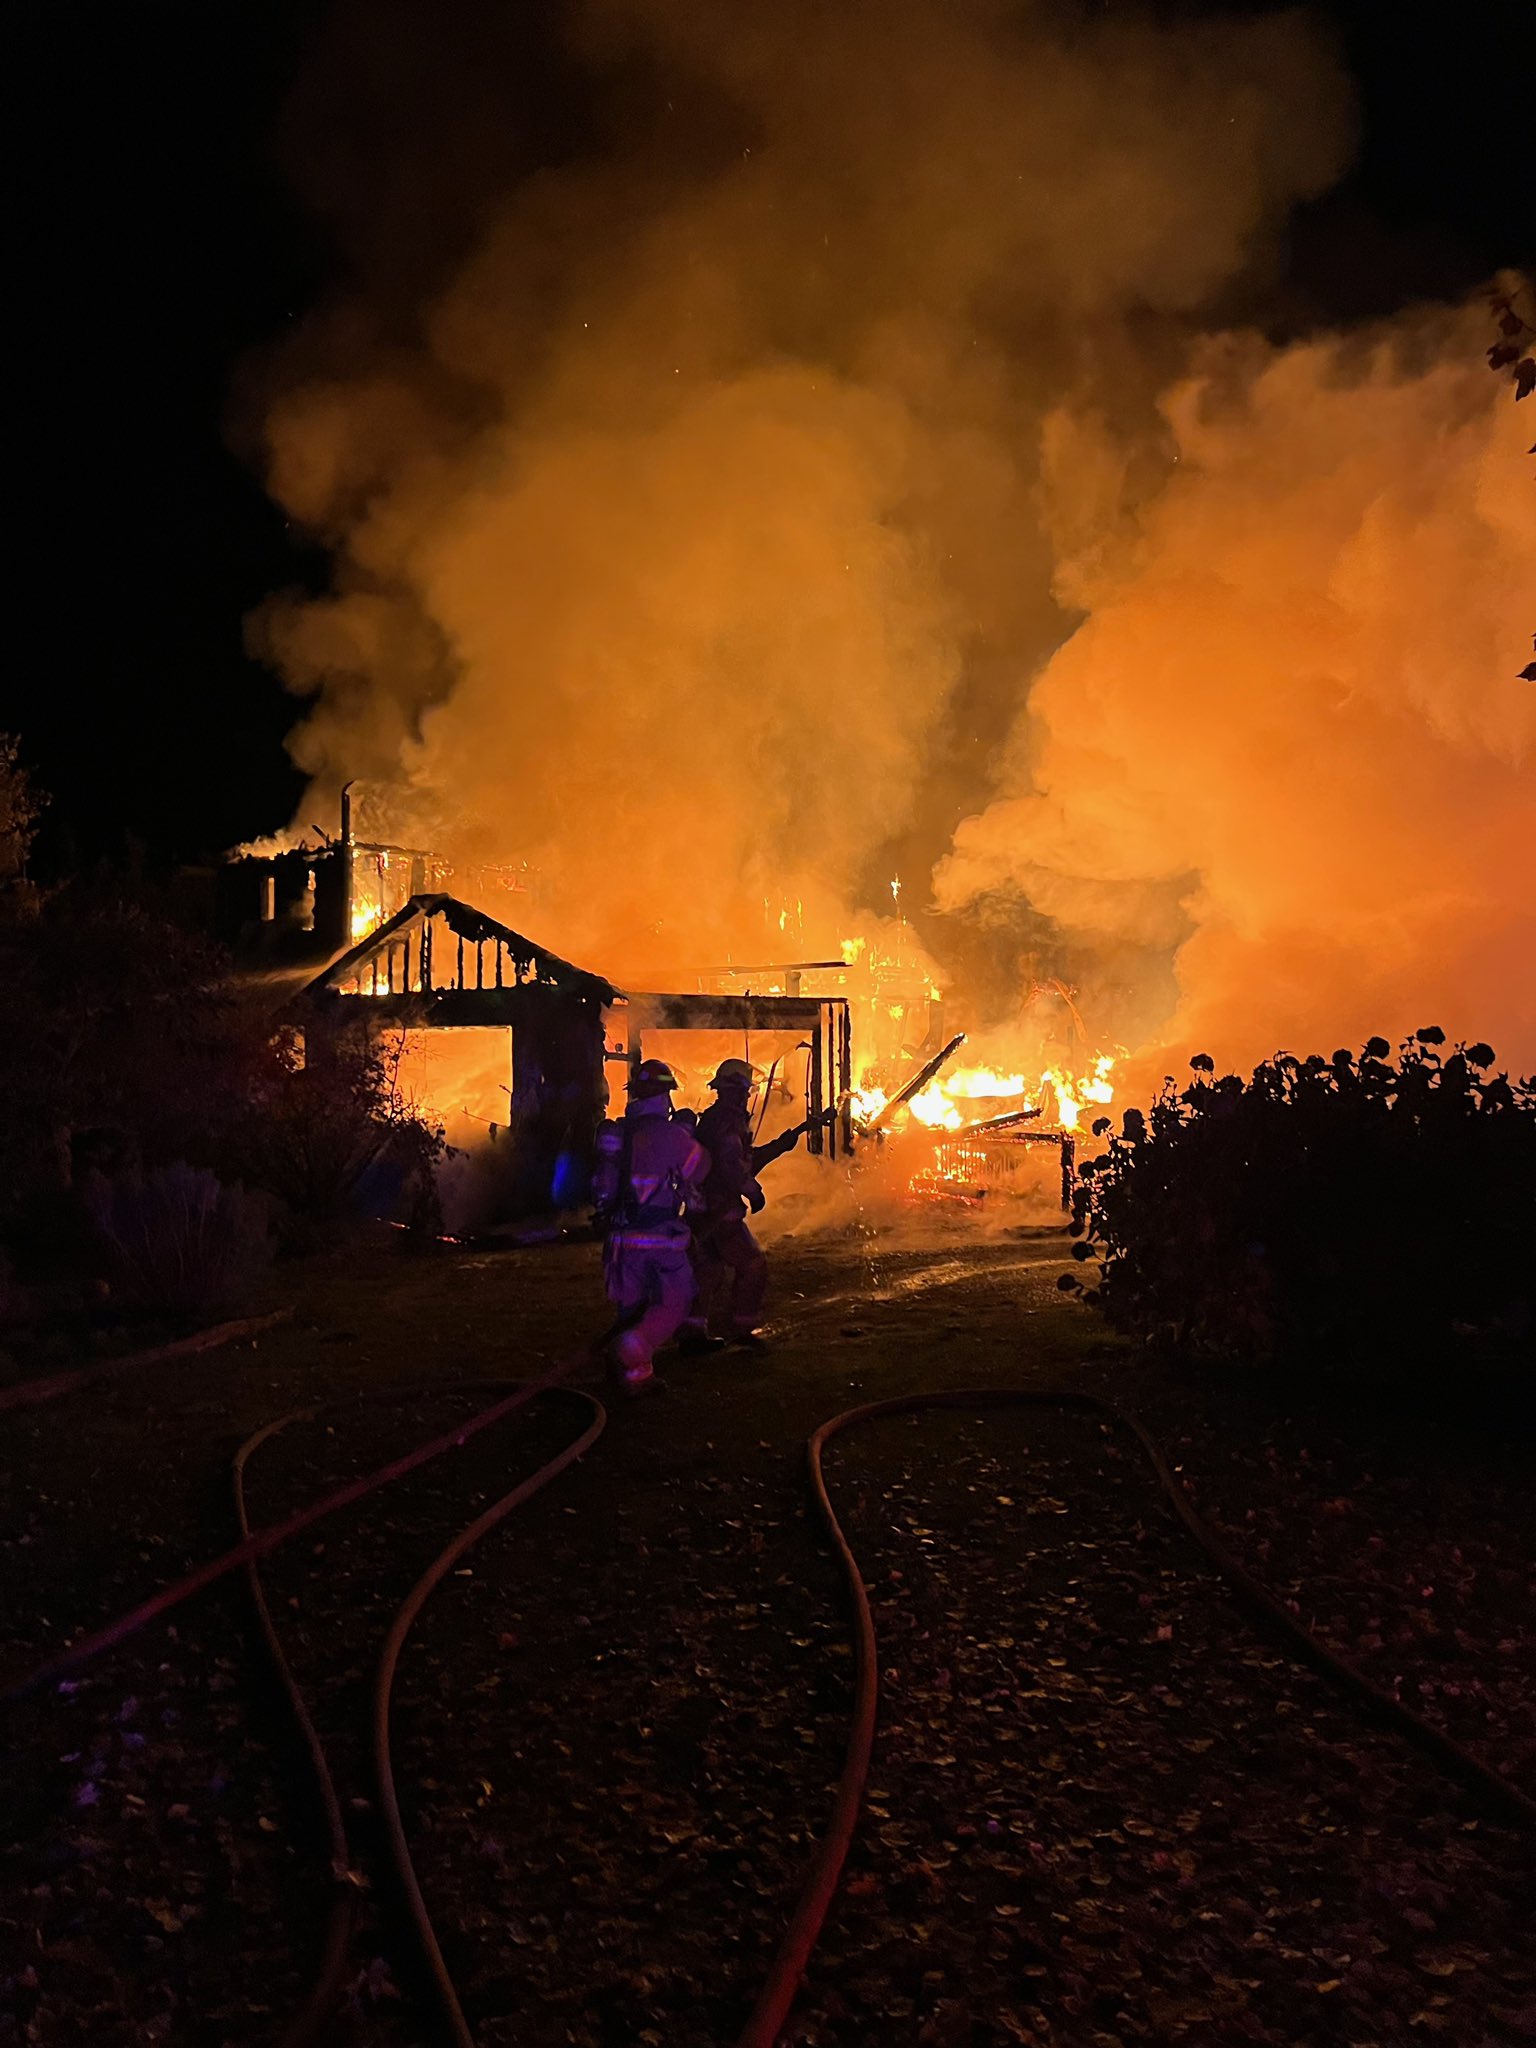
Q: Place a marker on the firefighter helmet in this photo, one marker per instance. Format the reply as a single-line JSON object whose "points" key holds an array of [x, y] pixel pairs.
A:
{"points": [[734, 1074], [652, 1077]]}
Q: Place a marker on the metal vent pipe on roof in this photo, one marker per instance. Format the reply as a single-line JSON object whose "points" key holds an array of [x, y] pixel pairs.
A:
{"points": [[346, 863]]}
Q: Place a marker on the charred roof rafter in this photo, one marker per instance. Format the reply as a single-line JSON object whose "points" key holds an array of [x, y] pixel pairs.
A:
{"points": [[393, 967]]}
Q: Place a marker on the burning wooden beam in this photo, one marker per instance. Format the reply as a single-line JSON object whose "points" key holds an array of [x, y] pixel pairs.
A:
{"points": [[998, 1123], [916, 1085]]}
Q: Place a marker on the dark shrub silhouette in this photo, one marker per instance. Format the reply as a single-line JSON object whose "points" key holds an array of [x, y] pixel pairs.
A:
{"points": [[176, 1241], [148, 1096], [1335, 1213]]}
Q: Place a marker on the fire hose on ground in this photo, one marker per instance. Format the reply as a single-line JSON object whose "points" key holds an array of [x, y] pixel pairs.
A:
{"points": [[325, 1992], [52, 1386], [809, 1914]]}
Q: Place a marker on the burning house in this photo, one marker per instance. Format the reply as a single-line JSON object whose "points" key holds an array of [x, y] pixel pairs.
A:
{"points": [[291, 904], [518, 1053], [440, 966]]}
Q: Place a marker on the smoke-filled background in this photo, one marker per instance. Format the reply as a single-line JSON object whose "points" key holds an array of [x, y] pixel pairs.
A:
{"points": [[1288, 740], [838, 461]]}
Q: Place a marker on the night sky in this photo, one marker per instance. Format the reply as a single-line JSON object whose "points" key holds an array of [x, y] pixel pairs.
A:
{"points": [[164, 241]]}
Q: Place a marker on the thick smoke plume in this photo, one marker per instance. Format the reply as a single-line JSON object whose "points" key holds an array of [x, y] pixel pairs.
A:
{"points": [[702, 529], [1288, 738]]}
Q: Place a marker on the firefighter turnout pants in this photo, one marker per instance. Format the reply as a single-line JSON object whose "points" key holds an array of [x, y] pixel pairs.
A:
{"points": [[731, 1274], [648, 1276]]}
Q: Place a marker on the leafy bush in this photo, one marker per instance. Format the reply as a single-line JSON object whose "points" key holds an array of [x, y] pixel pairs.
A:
{"points": [[177, 1241], [20, 807], [112, 1018], [128, 1047], [1332, 1213], [329, 1134]]}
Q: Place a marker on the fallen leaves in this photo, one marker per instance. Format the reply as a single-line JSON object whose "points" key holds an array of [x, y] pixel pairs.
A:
{"points": [[1103, 1810], [1143, 1823]]}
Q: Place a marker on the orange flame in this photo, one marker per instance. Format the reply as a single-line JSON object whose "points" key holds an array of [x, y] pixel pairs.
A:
{"points": [[971, 1094]]}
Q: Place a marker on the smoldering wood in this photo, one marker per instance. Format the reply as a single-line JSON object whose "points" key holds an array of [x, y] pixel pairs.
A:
{"points": [[985, 1157]]}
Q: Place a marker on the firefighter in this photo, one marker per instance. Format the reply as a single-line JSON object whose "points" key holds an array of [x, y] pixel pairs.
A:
{"points": [[647, 1180], [728, 1260]]}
